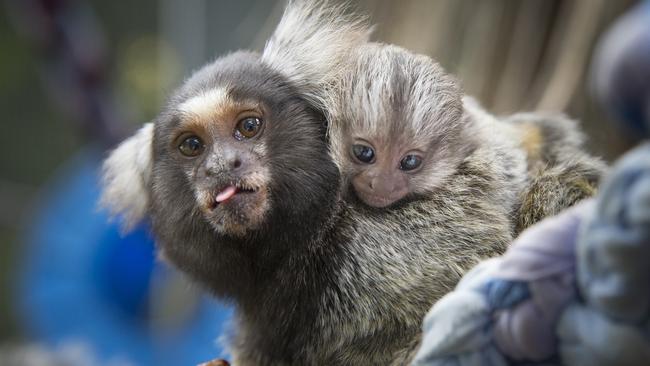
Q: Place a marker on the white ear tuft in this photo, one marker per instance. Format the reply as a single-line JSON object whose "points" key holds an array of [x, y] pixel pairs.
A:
{"points": [[313, 42], [126, 175]]}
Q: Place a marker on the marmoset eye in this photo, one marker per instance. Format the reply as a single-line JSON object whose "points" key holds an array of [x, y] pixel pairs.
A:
{"points": [[247, 128], [410, 162], [363, 153], [191, 146]]}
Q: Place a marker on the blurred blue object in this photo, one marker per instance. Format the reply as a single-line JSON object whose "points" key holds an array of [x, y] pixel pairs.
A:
{"points": [[621, 71], [83, 282]]}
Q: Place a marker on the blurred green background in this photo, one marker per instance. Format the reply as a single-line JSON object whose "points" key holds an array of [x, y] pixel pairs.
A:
{"points": [[511, 54]]}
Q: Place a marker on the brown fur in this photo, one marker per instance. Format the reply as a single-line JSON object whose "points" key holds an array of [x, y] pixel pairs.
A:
{"points": [[532, 142]]}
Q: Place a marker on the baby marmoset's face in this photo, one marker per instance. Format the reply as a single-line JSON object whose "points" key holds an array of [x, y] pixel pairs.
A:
{"points": [[398, 126], [385, 168]]}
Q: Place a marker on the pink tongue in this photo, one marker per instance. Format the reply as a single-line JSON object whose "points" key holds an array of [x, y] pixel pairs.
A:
{"points": [[226, 193]]}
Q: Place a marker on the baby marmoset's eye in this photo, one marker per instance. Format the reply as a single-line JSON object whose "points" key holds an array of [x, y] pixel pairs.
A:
{"points": [[191, 146], [410, 162], [363, 153], [247, 128]]}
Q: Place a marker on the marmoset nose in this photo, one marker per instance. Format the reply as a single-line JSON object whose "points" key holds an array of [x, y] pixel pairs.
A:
{"points": [[382, 184], [223, 161], [236, 160], [236, 163]]}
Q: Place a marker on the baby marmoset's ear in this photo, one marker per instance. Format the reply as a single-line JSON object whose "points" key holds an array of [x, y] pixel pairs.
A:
{"points": [[126, 176]]}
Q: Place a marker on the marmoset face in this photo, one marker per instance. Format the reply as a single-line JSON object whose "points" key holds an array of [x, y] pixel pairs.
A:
{"points": [[236, 138], [219, 144], [385, 170]]}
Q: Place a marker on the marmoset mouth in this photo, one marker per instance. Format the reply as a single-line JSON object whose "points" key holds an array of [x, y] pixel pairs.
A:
{"points": [[235, 206], [226, 193], [377, 200]]}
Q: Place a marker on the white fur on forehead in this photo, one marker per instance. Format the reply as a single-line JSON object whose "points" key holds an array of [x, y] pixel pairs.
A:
{"points": [[205, 103], [313, 42], [126, 174]]}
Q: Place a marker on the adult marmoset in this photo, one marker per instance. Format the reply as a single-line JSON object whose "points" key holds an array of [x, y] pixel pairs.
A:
{"points": [[244, 196]]}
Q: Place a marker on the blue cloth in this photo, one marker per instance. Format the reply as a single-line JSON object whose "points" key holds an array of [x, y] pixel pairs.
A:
{"points": [[612, 324], [610, 241]]}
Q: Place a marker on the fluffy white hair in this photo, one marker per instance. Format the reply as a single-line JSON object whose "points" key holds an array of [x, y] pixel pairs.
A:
{"points": [[313, 44], [125, 177]]}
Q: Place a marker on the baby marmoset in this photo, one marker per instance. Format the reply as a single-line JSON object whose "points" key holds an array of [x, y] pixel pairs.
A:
{"points": [[244, 197], [400, 127]]}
